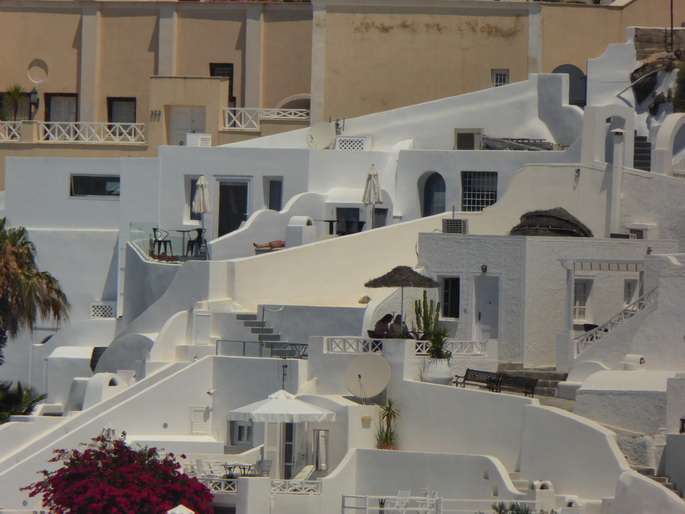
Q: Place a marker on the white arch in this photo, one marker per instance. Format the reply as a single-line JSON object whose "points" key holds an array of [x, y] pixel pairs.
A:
{"points": [[662, 155], [292, 98]]}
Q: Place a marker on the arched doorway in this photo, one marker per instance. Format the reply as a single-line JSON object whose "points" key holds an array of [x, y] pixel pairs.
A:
{"points": [[577, 82], [434, 195]]}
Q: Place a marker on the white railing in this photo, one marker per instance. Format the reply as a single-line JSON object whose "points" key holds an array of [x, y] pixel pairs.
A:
{"points": [[352, 345], [221, 485], [296, 486], [91, 132], [391, 504], [587, 339], [10, 130], [679, 169], [249, 118], [456, 347]]}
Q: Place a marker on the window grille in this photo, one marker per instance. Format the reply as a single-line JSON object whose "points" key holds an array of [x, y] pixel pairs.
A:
{"points": [[499, 77], [103, 310], [353, 143], [581, 293], [478, 190], [455, 226]]}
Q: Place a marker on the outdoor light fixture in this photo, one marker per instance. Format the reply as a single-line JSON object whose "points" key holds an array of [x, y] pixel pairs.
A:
{"points": [[484, 268], [33, 99]]}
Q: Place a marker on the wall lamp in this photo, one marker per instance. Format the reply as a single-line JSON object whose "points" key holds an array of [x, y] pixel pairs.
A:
{"points": [[484, 268], [33, 98]]}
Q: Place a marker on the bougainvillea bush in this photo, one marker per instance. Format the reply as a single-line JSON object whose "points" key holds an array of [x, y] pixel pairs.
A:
{"points": [[110, 476]]}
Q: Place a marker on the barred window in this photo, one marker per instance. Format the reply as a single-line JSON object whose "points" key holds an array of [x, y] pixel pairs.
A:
{"points": [[499, 77], [478, 190]]}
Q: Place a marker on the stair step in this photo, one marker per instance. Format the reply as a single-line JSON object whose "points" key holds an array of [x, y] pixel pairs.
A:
{"points": [[271, 338], [254, 323], [243, 316], [262, 330]]}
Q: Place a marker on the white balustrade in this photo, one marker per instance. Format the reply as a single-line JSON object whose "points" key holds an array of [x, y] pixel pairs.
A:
{"points": [[352, 345], [587, 339], [10, 130], [296, 486], [249, 118], [220, 485], [91, 132], [456, 347]]}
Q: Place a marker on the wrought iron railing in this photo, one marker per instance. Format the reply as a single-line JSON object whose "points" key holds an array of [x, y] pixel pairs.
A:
{"points": [[221, 485], [240, 348], [296, 486], [91, 132], [456, 347], [587, 339], [10, 130], [352, 345], [249, 118]]}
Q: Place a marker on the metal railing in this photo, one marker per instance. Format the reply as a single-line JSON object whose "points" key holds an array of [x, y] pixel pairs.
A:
{"points": [[352, 345], [249, 118], [91, 132], [10, 130], [296, 486], [221, 485], [598, 333], [456, 347], [394, 504], [239, 348]]}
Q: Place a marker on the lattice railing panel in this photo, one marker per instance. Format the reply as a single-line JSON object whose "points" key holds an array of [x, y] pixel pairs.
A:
{"points": [[249, 118], [91, 132], [352, 345], [10, 130], [220, 485], [587, 339], [353, 143], [456, 347], [296, 486]]}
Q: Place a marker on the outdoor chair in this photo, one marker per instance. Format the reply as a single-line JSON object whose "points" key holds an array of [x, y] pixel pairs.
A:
{"points": [[196, 244], [399, 504], [161, 241], [263, 468]]}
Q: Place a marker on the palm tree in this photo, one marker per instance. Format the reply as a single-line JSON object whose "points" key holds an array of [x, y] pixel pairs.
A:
{"points": [[18, 402], [26, 293], [14, 95]]}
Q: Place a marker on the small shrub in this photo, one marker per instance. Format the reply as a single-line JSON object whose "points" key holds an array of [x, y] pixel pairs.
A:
{"points": [[679, 95]]}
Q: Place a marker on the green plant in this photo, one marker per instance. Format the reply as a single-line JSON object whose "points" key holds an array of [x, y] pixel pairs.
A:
{"points": [[679, 95], [13, 95], [20, 401], [427, 315], [386, 437], [438, 347]]}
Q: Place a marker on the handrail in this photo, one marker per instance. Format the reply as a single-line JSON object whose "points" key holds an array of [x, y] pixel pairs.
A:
{"points": [[249, 118], [296, 486], [456, 347], [598, 333], [91, 132], [353, 344], [10, 130]]}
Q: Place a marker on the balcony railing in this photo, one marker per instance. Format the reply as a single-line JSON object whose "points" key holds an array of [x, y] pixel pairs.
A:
{"points": [[91, 132], [10, 130], [221, 485], [240, 348], [250, 118], [456, 347], [352, 345], [587, 339], [296, 486]]}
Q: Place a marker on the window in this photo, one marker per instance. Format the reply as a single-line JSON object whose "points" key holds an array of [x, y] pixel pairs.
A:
{"points": [[321, 449], [434, 195], [121, 110], [478, 190], [347, 221], [192, 188], [450, 297], [499, 77], [22, 105], [581, 294], [380, 218], [94, 185], [219, 69], [636, 234], [275, 199], [629, 291], [241, 433]]}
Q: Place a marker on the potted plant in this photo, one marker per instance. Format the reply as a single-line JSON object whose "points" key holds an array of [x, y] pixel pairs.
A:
{"points": [[439, 371], [386, 437]]}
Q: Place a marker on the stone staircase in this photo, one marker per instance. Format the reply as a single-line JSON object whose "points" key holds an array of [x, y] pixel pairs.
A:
{"points": [[548, 378], [642, 154], [264, 333], [663, 480]]}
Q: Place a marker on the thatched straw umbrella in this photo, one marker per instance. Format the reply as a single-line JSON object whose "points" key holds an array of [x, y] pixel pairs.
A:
{"points": [[402, 276], [551, 222]]}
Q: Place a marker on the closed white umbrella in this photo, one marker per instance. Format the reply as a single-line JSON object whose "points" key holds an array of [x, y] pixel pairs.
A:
{"points": [[372, 190], [202, 203], [281, 407]]}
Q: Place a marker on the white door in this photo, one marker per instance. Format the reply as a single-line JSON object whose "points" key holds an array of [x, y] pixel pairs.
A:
{"points": [[185, 119], [487, 307]]}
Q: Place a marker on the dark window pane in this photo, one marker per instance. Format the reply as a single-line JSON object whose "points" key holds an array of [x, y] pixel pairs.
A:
{"points": [[94, 185]]}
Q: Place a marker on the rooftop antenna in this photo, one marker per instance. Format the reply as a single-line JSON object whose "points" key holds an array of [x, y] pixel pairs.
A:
{"points": [[284, 372]]}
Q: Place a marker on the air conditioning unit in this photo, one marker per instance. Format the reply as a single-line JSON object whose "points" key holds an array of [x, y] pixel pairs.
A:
{"points": [[468, 139], [455, 226]]}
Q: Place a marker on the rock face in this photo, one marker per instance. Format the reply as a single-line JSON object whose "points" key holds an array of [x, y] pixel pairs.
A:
{"points": [[650, 41]]}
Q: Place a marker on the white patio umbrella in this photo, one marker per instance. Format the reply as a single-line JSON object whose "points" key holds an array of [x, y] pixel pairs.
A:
{"points": [[372, 190], [202, 203], [281, 407]]}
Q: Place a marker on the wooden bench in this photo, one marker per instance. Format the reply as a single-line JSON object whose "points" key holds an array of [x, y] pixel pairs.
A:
{"points": [[477, 377], [524, 385]]}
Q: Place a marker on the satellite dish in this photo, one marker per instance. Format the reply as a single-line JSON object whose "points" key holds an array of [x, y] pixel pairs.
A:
{"points": [[367, 376], [321, 136]]}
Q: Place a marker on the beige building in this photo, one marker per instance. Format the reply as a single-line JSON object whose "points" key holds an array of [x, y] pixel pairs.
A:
{"points": [[236, 70]]}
